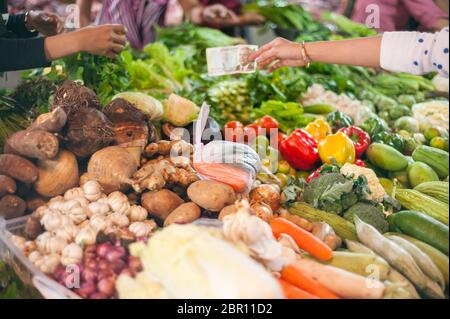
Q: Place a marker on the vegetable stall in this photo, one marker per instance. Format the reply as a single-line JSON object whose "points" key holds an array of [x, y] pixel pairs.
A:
{"points": [[331, 181]]}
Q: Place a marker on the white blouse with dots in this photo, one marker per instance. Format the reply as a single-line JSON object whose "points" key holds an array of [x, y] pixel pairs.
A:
{"points": [[415, 52]]}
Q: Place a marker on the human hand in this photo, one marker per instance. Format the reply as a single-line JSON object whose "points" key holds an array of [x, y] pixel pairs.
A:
{"points": [[45, 23], [251, 18], [107, 40], [219, 14], [281, 51]]}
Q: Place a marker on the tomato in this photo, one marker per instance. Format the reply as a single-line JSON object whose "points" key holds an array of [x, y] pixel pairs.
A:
{"points": [[252, 131], [267, 122], [234, 124], [280, 137]]}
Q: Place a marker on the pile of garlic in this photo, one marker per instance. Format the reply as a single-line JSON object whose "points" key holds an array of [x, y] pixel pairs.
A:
{"points": [[73, 221]]}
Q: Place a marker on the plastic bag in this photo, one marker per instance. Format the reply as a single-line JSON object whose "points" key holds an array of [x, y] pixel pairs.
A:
{"points": [[230, 163]]}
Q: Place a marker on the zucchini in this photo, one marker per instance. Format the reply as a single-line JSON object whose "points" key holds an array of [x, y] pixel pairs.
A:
{"points": [[342, 227], [419, 173], [424, 228], [437, 190], [439, 259], [386, 157], [414, 200], [434, 157], [319, 109]]}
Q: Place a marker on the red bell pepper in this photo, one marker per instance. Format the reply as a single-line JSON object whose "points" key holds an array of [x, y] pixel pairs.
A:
{"points": [[360, 163], [360, 139], [300, 150]]}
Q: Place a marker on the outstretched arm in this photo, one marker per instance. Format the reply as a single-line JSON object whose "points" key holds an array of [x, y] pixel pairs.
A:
{"points": [[85, 12]]}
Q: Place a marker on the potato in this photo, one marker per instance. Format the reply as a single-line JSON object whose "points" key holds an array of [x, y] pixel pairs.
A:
{"points": [[34, 202], [7, 185], [161, 203], [50, 122], [184, 214], [18, 168], [211, 195], [33, 228], [12, 206], [35, 144], [228, 210]]}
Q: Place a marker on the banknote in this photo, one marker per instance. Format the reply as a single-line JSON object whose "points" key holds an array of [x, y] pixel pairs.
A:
{"points": [[230, 60]]}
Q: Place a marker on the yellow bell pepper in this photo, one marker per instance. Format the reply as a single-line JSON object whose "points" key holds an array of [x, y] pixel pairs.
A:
{"points": [[319, 129], [339, 148]]}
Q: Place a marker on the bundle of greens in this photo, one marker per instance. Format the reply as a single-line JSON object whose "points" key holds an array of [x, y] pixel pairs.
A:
{"points": [[290, 115], [12, 117], [195, 40], [347, 27], [285, 18]]}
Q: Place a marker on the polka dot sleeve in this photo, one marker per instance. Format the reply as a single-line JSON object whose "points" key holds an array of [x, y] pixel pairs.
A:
{"points": [[415, 52]]}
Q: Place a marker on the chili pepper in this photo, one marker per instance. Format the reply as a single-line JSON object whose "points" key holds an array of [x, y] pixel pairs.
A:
{"points": [[360, 163], [337, 148], [300, 150], [360, 139], [319, 129], [338, 120]]}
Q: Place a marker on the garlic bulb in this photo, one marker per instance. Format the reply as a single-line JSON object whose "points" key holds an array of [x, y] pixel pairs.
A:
{"points": [[68, 232], [118, 202], [34, 256], [78, 215], [83, 201], [86, 236], [56, 199], [103, 200], [18, 241], [51, 220], [140, 229], [100, 222], [50, 263], [92, 191], [137, 213], [70, 205], [48, 244], [40, 211], [72, 254], [57, 205], [119, 219], [74, 193], [97, 208]]}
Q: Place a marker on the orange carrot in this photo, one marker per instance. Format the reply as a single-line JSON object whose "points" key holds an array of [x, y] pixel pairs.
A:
{"points": [[305, 240], [293, 275], [292, 292]]}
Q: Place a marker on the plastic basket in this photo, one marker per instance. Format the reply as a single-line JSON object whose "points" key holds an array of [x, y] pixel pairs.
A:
{"points": [[25, 270]]}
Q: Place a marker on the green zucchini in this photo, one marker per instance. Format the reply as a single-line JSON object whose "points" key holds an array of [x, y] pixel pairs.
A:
{"points": [[424, 228], [419, 173], [342, 227], [414, 200], [439, 259], [437, 190], [436, 158]]}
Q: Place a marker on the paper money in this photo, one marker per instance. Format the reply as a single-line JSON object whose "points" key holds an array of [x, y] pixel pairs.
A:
{"points": [[230, 60]]}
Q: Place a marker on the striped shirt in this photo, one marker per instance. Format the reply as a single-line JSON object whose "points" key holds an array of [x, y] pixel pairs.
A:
{"points": [[138, 16]]}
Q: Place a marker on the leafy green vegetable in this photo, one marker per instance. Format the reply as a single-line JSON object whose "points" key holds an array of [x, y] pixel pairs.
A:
{"points": [[13, 118]]}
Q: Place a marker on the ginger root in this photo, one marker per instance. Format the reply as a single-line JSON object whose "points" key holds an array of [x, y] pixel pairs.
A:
{"points": [[163, 172], [166, 148]]}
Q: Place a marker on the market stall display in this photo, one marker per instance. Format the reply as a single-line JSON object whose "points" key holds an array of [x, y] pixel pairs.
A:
{"points": [[328, 178]]}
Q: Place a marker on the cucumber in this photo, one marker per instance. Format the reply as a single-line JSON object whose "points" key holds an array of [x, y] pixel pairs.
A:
{"points": [[386, 157], [319, 109], [424, 228], [437, 190], [392, 227], [437, 159], [439, 259], [419, 173]]}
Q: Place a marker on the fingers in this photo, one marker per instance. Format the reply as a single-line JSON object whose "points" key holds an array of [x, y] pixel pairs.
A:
{"points": [[116, 48], [262, 50], [263, 64], [285, 63], [119, 39], [119, 28]]}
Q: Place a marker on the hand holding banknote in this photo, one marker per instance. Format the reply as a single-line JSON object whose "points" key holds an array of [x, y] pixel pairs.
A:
{"points": [[230, 60]]}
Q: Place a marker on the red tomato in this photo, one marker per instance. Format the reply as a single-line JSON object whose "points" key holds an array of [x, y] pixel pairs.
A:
{"points": [[251, 131], [267, 122], [234, 124]]}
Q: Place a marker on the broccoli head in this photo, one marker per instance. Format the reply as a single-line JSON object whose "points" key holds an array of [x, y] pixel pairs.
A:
{"points": [[369, 214]]}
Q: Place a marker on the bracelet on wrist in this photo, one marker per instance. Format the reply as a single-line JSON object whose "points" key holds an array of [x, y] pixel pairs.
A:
{"points": [[305, 55]]}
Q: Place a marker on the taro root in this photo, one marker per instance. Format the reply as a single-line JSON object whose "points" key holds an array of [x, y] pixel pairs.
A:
{"points": [[7, 185], [33, 228], [73, 97], [12, 206], [88, 131], [130, 126]]}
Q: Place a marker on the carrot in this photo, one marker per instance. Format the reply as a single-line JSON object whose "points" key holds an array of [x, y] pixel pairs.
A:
{"points": [[292, 292], [224, 173], [305, 240], [296, 277]]}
